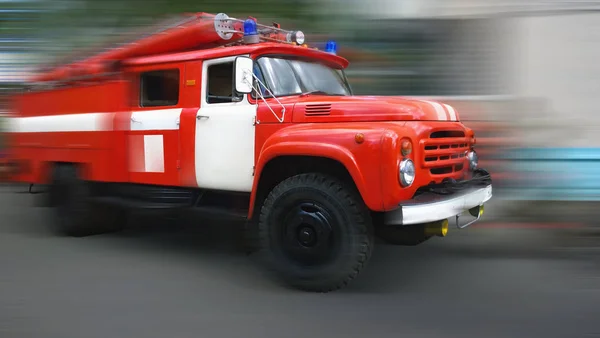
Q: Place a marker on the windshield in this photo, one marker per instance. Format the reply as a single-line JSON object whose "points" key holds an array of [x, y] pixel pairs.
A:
{"points": [[292, 77]]}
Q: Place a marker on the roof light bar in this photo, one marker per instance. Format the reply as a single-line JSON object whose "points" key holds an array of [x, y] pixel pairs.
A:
{"points": [[263, 32]]}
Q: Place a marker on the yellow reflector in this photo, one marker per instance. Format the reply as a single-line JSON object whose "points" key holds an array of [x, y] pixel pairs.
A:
{"points": [[444, 227]]}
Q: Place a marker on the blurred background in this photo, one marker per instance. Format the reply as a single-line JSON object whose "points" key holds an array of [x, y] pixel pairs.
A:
{"points": [[523, 74]]}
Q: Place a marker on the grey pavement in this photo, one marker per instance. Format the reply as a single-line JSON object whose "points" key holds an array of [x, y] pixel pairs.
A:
{"points": [[178, 279]]}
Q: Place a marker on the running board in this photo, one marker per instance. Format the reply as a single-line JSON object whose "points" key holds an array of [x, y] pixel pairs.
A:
{"points": [[137, 204], [208, 211]]}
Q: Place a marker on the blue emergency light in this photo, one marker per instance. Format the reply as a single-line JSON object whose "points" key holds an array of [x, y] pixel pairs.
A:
{"points": [[250, 27], [331, 47], [250, 32]]}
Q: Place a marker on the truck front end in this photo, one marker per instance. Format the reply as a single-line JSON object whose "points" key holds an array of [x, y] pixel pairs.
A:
{"points": [[436, 177], [333, 168]]}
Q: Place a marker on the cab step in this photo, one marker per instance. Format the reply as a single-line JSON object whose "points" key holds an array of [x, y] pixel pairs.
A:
{"points": [[132, 203]]}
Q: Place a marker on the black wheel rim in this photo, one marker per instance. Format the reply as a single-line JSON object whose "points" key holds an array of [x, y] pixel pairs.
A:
{"points": [[307, 234]]}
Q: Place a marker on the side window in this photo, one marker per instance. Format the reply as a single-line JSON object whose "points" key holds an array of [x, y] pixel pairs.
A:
{"points": [[220, 84], [159, 88]]}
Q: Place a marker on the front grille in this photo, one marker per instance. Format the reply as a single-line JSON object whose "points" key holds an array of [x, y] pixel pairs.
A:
{"points": [[444, 152]]}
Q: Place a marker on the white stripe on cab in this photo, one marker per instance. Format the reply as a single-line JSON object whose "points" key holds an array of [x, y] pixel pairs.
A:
{"points": [[61, 123], [451, 111], [441, 113], [163, 119]]}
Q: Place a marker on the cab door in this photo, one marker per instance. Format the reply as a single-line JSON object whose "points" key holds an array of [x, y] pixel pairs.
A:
{"points": [[153, 136], [225, 132]]}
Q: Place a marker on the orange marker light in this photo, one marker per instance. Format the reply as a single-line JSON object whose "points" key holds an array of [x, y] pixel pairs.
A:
{"points": [[359, 138], [406, 147]]}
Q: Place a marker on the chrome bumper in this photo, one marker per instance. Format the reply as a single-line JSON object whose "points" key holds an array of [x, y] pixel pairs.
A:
{"points": [[434, 207]]}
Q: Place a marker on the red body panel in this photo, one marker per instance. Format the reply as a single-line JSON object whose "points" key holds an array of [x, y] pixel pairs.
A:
{"points": [[104, 96]]}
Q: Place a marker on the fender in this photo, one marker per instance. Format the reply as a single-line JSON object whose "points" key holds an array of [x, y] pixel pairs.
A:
{"points": [[333, 141]]}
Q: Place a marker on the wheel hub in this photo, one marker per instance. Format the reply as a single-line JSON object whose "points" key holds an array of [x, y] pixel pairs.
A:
{"points": [[307, 236], [307, 233]]}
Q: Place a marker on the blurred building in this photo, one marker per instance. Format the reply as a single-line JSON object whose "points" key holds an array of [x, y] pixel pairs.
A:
{"points": [[17, 56]]}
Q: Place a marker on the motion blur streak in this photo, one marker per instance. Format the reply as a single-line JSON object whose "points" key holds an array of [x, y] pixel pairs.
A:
{"points": [[523, 75]]}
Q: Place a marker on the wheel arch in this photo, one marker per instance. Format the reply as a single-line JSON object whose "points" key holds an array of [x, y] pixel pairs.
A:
{"points": [[283, 166]]}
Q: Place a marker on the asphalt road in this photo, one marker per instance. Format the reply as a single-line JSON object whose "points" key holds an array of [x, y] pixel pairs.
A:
{"points": [[164, 279]]}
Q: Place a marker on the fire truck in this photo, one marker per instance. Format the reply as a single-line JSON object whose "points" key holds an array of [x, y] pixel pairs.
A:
{"points": [[240, 119]]}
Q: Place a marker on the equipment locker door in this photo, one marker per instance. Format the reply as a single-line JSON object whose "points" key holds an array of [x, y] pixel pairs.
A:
{"points": [[153, 139]]}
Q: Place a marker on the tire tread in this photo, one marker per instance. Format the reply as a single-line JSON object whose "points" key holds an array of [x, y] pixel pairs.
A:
{"points": [[354, 207]]}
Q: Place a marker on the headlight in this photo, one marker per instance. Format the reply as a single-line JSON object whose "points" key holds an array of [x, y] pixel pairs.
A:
{"points": [[473, 160], [407, 172]]}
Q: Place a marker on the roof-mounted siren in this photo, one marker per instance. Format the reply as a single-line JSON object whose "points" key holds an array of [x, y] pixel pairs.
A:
{"points": [[331, 47], [251, 32], [295, 37], [224, 26]]}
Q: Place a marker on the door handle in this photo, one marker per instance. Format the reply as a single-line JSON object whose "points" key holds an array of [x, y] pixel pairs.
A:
{"points": [[200, 117]]}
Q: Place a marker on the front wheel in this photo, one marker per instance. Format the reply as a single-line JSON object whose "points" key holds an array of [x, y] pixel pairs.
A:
{"points": [[315, 232]]}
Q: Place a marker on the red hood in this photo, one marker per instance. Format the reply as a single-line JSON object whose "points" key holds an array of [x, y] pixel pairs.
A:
{"points": [[370, 108]]}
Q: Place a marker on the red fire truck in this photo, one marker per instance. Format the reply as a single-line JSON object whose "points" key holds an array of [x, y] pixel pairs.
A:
{"points": [[241, 119]]}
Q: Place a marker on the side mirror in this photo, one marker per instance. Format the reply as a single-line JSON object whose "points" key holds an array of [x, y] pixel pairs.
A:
{"points": [[243, 74]]}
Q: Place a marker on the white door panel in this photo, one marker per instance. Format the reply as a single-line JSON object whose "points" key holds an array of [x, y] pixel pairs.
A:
{"points": [[225, 137]]}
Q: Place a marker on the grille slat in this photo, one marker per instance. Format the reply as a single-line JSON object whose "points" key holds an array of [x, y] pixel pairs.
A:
{"points": [[444, 152]]}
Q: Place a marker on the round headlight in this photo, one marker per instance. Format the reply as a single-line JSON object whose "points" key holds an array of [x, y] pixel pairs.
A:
{"points": [[473, 160], [407, 172]]}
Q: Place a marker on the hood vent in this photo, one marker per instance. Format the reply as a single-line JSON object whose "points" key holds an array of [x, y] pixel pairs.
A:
{"points": [[317, 109]]}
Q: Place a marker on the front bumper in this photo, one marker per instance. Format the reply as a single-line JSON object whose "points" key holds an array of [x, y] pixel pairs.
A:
{"points": [[433, 206]]}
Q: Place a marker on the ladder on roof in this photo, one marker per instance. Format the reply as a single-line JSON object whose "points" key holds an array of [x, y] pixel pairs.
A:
{"points": [[184, 32]]}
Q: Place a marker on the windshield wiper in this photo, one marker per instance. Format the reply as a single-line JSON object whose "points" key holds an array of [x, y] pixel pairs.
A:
{"points": [[314, 92]]}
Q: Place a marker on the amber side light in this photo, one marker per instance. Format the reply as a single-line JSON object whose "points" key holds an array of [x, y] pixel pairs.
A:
{"points": [[406, 147], [359, 138]]}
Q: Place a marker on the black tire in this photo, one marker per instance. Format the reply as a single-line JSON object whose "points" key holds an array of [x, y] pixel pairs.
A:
{"points": [[318, 202], [74, 213], [409, 235]]}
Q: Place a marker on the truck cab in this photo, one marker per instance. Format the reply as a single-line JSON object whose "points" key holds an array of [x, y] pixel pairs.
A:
{"points": [[261, 128]]}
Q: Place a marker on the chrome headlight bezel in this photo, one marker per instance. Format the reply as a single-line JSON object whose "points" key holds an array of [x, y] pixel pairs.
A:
{"points": [[406, 172], [473, 160]]}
